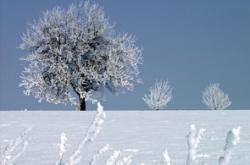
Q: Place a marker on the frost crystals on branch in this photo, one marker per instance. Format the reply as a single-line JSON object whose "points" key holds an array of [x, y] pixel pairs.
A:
{"points": [[214, 98], [90, 136], [232, 139], [10, 153], [159, 95], [193, 141], [76, 52]]}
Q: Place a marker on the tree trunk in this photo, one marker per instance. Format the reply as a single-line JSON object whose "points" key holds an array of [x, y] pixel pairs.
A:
{"points": [[82, 104]]}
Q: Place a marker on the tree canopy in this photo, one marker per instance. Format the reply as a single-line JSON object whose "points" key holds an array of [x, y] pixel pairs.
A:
{"points": [[76, 50]]}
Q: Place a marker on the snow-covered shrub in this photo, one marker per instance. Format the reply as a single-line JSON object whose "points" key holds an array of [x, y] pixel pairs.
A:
{"points": [[76, 50], [14, 149], [214, 98], [159, 95], [193, 141], [232, 139]]}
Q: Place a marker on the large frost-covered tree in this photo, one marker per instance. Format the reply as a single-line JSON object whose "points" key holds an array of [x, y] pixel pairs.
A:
{"points": [[214, 98], [159, 95], [76, 50]]}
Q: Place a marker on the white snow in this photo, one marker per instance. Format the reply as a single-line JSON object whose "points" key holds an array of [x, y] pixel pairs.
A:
{"points": [[137, 136]]}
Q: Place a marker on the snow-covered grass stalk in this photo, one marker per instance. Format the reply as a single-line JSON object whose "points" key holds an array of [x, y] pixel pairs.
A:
{"points": [[112, 160], [62, 148], [232, 139], [99, 153], [117, 158], [126, 160], [11, 153], [91, 134], [166, 158], [193, 141], [121, 157]]}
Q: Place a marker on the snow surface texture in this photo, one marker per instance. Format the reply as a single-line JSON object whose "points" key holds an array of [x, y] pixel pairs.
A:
{"points": [[139, 137]]}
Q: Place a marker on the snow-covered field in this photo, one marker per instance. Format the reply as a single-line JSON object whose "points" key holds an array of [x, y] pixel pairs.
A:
{"points": [[142, 134]]}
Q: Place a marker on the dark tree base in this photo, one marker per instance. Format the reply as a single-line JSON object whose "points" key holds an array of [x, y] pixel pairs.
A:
{"points": [[82, 104]]}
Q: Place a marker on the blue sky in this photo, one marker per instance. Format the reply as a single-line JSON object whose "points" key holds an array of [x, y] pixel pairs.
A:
{"points": [[190, 43]]}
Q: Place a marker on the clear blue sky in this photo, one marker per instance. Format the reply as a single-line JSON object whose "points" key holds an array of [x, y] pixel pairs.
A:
{"points": [[190, 43]]}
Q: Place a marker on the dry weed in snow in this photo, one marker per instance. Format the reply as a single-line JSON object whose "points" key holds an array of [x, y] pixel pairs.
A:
{"points": [[193, 141], [112, 160], [232, 139], [166, 158], [62, 148], [14, 149], [99, 153], [91, 134]]}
